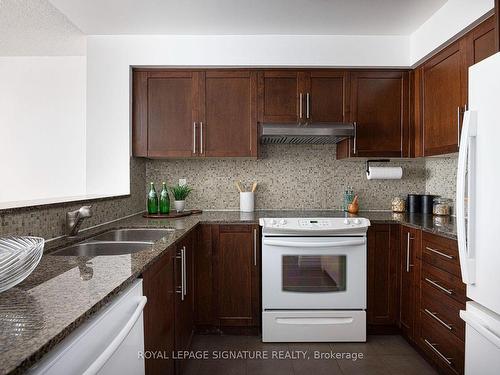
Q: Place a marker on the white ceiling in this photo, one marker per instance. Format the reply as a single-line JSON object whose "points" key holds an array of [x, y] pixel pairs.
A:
{"points": [[248, 17]]}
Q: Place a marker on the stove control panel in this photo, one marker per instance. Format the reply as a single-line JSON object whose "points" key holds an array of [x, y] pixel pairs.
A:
{"points": [[331, 225], [311, 223]]}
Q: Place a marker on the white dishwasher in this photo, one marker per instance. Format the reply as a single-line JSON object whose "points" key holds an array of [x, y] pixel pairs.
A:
{"points": [[108, 343]]}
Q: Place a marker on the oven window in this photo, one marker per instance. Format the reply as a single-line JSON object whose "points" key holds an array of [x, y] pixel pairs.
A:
{"points": [[314, 273]]}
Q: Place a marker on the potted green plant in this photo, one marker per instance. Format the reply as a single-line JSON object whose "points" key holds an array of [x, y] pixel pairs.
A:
{"points": [[180, 193]]}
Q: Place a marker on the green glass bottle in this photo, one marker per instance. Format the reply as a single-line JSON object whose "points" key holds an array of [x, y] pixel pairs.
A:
{"points": [[164, 200], [152, 200]]}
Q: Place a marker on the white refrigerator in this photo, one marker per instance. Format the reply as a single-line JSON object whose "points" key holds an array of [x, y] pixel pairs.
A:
{"points": [[478, 218]]}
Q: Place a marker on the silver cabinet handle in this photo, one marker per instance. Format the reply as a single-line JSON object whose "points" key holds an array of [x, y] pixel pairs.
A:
{"points": [[434, 315], [458, 127], [355, 137], [441, 355], [448, 291], [300, 105], [308, 105], [194, 137], [255, 247], [201, 137], [180, 289], [408, 239], [439, 253], [184, 278]]}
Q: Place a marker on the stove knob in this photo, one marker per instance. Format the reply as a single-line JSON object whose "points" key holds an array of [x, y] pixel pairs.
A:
{"points": [[346, 221], [357, 221], [272, 222], [282, 222]]}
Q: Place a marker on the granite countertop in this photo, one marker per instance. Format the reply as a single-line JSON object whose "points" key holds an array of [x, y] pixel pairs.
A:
{"points": [[64, 291]]}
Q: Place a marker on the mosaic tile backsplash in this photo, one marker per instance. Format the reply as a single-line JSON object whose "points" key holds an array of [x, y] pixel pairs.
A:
{"points": [[48, 221], [289, 177], [441, 176]]}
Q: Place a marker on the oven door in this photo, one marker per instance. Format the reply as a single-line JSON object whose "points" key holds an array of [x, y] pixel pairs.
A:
{"points": [[308, 273]]}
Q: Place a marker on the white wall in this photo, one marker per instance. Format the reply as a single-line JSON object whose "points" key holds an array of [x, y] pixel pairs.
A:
{"points": [[449, 21], [42, 128]]}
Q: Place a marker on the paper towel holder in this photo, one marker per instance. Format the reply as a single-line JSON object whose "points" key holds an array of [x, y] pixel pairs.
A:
{"points": [[374, 161]]}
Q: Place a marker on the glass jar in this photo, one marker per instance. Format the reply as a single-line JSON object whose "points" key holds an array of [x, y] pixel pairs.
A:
{"points": [[398, 204], [442, 206]]}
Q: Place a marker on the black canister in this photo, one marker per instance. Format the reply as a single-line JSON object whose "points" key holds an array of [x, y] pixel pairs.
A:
{"points": [[414, 203], [427, 202]]}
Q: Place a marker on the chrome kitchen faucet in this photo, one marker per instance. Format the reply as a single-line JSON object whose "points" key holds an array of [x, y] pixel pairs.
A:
{"points": [[75, 218]]}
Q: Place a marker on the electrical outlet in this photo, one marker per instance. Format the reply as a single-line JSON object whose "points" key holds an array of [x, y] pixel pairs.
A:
{"points": [[182, 181]]}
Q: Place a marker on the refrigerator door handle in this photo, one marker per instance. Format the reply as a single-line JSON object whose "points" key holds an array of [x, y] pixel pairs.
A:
{"points": [[466, 180], [476, 323]]}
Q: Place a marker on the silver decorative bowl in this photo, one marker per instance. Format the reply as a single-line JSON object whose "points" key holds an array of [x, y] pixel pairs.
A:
{"points": [[19, 256]]}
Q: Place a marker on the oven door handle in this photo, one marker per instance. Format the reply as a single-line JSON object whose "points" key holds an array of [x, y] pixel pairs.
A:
{"points": [[273, 242]]}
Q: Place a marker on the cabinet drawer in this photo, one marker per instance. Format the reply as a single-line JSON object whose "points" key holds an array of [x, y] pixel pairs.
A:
{"points": [[443, 282], [443, 310], [441, 252], [445, 349]]}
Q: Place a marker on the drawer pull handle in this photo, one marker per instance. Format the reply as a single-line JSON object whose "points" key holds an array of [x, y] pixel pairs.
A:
{"points": [[440, 253], [434, 315], [443, 357], [448, 291]]}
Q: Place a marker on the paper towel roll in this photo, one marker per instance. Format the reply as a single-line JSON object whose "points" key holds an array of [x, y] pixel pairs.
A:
{"points": [[384, 173]]}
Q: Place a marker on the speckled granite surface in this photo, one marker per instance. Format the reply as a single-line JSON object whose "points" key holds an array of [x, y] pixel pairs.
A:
{"points": [[64, 291]]}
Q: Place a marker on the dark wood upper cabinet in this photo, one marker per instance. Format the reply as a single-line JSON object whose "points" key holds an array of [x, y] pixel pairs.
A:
{"points": [[281, 96], [444, 98], [158, 285], [237, 275], [443, 81], [481, 41], [409, 271], [229, 103], [173, 106], [326, 95], [379, 106], [383, 272]]}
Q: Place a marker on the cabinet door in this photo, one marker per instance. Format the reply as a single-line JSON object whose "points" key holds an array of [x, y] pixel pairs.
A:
{"points": [[173, 105], [383, 270], [481, 41], [326, 96], [379, 107], [237, 275], [444, 97], [184, 305], [281, 96], [230, 106], [205, 303], [158, 284], [410, 243]]}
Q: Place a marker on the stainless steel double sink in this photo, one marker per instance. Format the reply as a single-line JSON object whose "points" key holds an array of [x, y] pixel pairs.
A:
{"points": [[116, 242]]}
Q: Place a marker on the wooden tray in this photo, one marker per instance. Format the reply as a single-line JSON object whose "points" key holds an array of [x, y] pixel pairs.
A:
{"points": [[171, 215]]}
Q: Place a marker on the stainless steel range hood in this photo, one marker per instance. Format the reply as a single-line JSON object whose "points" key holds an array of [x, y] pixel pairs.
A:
{"points": [[318, 133]]}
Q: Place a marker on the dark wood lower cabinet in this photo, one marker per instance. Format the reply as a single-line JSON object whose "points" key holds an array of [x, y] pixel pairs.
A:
{"points": [[383, 286], [410, 271], [237, 276], [159, 336]]}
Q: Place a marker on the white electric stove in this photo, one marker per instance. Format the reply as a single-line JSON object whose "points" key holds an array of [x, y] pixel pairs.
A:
{"points": [[314, 279]]}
